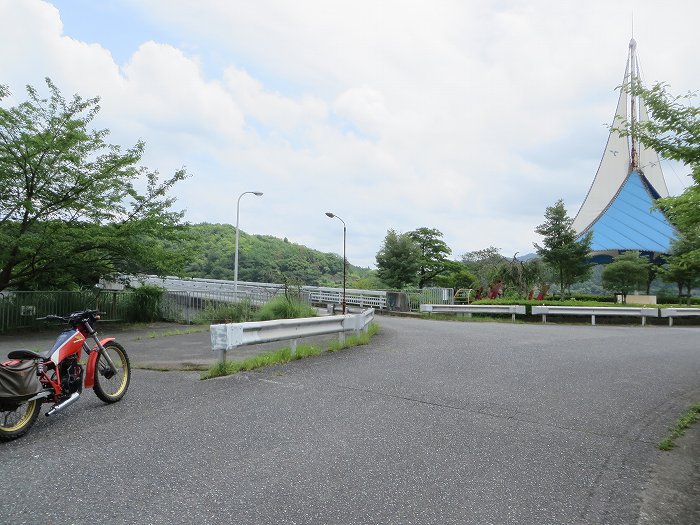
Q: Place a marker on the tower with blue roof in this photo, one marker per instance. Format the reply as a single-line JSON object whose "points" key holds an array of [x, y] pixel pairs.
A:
{"points": [[619, 207]]}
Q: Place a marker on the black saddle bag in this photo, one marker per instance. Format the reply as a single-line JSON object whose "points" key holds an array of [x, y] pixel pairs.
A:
{"points": [[18, 381]]}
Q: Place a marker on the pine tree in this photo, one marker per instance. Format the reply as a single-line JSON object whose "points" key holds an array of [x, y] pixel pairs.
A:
{"points": [[561, 251]]}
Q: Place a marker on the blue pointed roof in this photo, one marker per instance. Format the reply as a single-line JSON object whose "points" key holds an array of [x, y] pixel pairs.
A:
{"points": [[619, 206], [630, 222]]}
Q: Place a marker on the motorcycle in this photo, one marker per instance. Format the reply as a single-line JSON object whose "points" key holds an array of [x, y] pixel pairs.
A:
{"points": [[29, 379]]}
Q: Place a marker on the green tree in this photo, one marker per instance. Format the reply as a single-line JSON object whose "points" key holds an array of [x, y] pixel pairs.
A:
{"points": [[456, 276], [533, 276], [683, 267], [627, 272], [398, 260], [521, 277], [561, 251], [484, 264], [433, 257], [69, 210], [673, 130], [263, 258]]}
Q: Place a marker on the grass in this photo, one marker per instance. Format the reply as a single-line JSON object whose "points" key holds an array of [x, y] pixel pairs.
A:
{"points": [[283, 307], [354, 340], [684, 422], [171, 333], [285, 355]]}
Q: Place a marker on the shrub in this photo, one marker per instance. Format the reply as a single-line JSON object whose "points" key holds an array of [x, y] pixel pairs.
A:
{"points": [[284, 307], [145, 304]]}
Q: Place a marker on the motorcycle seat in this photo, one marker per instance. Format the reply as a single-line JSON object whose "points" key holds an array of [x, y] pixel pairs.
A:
{"points": [[27, 354]]}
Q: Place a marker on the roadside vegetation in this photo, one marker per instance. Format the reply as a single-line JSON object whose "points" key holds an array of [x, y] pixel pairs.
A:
{"points": [[684, 422], [284, 307]]}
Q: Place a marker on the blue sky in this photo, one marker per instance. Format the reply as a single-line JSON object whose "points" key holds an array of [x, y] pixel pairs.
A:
{"points": [[466, 116]]}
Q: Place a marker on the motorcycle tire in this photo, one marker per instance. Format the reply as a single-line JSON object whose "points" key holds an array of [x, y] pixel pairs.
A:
{"points": [[16, 420], [109, 387]]}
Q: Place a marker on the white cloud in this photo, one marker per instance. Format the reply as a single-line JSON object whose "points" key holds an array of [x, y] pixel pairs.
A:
{"points": [[364, 107], [470, 117]]}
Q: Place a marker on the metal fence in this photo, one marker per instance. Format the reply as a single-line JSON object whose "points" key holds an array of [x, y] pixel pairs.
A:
{"points": [[21, 309], [260, 293], [199, 301], [206, 307], [437, 296]]}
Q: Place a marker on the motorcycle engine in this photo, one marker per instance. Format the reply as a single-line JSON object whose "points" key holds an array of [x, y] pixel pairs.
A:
{"points": [[71, 375]]}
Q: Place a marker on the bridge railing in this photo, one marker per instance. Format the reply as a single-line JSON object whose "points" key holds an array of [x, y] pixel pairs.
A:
{"points": [[260, 293]]}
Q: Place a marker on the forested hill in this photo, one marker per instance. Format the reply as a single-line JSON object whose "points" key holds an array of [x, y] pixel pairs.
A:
{"points": [[263, 258]]}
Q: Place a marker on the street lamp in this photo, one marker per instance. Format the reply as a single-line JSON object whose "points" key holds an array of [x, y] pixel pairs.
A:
{"points": [[235, 260], [345, 261]]}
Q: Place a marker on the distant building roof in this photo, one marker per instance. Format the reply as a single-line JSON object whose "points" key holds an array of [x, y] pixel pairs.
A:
{"points": [[630, 222]]}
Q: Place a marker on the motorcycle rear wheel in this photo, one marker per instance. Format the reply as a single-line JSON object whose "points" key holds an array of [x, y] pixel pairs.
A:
{"points": [[109, 387], [16, 421]]}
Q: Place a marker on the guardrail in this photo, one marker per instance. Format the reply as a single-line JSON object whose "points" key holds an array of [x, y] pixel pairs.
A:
{"points": [[594, 311], [512, 309], [678, 312], [226, 337]]}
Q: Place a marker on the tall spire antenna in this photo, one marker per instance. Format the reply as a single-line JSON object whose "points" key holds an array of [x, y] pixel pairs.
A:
{"points": [[633, 24], [633, 106]]}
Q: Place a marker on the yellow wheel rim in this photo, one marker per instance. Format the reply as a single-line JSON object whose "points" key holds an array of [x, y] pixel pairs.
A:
{"points": [[122, 367], [23, 420]]}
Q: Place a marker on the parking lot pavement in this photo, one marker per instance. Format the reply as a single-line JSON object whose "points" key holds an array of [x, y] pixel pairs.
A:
{"points": [[433, 422]]}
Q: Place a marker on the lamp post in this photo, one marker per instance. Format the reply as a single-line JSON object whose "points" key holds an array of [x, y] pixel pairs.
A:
{"points": [[235, 259], [345, 261]]}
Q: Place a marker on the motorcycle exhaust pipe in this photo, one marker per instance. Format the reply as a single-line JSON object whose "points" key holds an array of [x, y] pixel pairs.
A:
{"points": [[72, 399]]}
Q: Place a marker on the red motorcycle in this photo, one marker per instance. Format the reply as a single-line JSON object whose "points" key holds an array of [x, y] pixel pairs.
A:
{"points": [[57, 376]]}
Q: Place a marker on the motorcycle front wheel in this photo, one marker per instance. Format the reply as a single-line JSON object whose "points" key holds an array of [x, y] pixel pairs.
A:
{"points": [[110, 386], [16, 420]]}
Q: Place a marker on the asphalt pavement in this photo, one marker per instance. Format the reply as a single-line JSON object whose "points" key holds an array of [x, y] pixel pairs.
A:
{"points": [[432, 422]]}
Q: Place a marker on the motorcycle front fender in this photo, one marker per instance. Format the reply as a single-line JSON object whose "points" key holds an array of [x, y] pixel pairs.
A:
{"points": [[92, 362]]}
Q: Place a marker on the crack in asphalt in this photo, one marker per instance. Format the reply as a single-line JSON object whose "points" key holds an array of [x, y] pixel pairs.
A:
{"points": [[497, 416]]}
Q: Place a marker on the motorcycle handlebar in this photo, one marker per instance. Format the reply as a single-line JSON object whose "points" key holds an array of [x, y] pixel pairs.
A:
{"points": [[74, 317], [51, 317]]}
